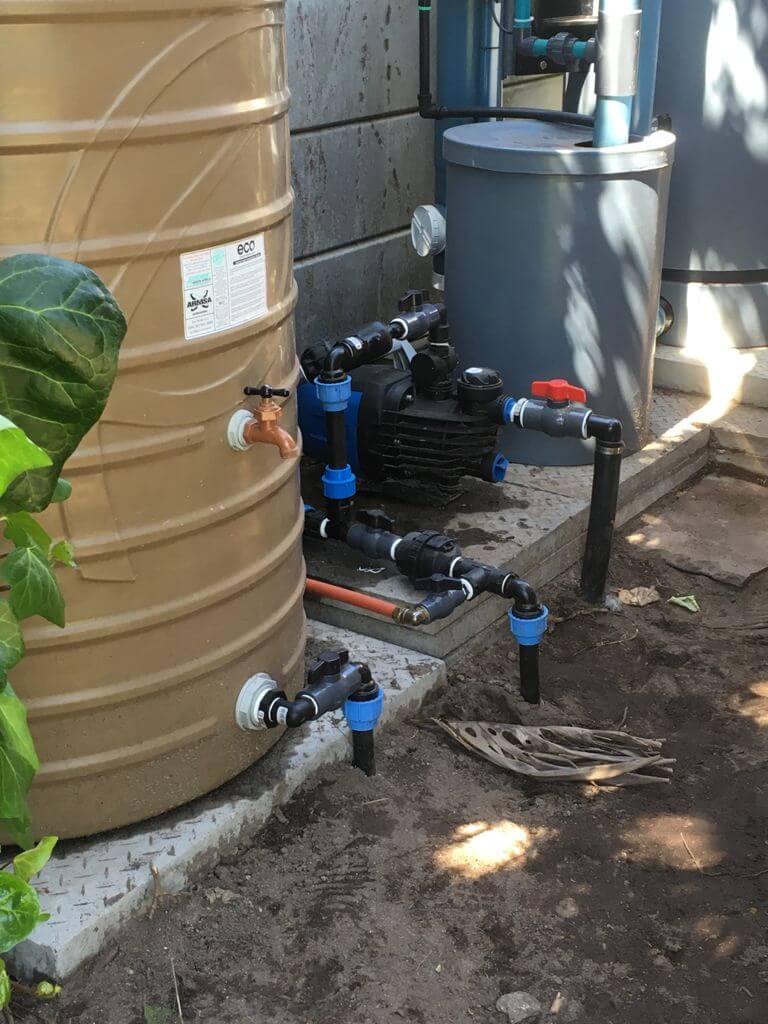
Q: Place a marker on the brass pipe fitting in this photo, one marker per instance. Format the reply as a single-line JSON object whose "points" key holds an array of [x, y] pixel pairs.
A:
{"points": [[265, 428], [262, 426]]}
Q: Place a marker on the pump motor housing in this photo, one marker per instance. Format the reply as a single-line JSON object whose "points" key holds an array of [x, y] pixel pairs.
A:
{"points": [[415, 433]]}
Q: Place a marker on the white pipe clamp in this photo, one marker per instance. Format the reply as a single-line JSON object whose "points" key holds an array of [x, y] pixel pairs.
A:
{"points": [[247, 714], [236, 430]]}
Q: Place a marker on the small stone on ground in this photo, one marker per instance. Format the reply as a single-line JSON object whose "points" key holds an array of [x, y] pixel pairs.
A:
{"points": [[519, 1007], [567, 908]]}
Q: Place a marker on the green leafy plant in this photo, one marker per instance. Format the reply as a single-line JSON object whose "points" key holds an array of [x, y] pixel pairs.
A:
{"points": [[60, 336]]}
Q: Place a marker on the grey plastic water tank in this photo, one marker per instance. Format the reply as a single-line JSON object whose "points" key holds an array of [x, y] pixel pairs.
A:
{"points": [[716, 260], [553, 266]]}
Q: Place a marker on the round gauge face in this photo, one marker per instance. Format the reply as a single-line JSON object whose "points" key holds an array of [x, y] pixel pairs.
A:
{"points": [[428, 230]]}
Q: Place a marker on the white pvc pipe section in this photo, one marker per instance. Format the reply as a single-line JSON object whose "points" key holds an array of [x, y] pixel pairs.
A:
{"points": [[494, 66]]}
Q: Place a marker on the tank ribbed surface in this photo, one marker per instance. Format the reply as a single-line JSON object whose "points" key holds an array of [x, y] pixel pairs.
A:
{"points": [[132, 133]]}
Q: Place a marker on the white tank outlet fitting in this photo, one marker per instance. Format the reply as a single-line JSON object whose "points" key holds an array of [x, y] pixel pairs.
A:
{"points": [[249, 700], [236, 430], [428, 230]]}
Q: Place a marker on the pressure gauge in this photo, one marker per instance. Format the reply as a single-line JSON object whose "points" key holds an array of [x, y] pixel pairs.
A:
{"points": [[428, 230]]}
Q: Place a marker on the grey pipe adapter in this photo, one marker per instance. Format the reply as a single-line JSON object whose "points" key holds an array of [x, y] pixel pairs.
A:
{"points": [[618, 52]]}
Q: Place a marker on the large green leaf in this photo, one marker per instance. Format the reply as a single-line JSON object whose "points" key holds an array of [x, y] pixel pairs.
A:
{"points": [[17, 454], [18, 765], [34, 587], [60, 335], [30, 862], [23, 530], [11, 639], [19, 910]]}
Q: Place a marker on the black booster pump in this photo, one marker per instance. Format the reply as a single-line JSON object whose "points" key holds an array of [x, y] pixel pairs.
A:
{"points": [[412, 431]]}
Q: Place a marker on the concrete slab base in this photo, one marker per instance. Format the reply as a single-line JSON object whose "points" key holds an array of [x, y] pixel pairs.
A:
{"points": [[91, 887], [741, 374], [536, 528]]}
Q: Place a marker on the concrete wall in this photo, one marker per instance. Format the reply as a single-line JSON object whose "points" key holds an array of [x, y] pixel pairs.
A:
{"points": [[362, 159]]}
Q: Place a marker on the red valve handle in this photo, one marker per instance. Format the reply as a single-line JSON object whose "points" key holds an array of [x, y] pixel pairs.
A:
{"points": [[558, 391]]}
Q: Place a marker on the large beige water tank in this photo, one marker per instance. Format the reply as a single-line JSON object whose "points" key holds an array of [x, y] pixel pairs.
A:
{"points": [[149, 140]]}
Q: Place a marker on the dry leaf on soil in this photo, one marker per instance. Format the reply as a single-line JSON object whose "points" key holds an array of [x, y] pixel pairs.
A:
{"points": [[565, 753], [639, 597]]}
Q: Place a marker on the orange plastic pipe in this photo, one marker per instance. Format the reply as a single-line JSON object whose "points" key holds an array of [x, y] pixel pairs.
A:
{"points": [[316, 588]]}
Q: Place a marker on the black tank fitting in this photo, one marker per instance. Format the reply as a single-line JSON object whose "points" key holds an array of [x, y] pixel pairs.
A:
{"points": [[331, 680]]}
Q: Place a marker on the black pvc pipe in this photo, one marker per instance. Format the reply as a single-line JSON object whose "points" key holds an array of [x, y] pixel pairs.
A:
{"points": [[437, 113], [336, 360], [602, 520], [339, 509], [530, 689], [425, 57], [363, 752], [336, 432]]}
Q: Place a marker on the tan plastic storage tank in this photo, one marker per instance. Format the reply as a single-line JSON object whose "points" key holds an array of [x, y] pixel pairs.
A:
{"points": [[133, 132]]}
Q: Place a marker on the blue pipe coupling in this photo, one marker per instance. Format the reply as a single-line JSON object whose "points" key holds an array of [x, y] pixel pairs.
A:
{"points": [[529, 632], [339, 484], [499, 468], [334, 397], [508, 412], [364, 715]]}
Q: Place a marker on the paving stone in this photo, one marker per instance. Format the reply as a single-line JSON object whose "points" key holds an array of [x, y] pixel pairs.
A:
{"points": [[716, 529]]}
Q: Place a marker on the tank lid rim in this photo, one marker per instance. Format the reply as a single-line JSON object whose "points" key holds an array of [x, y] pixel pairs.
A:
{"points": [[536, 147]]}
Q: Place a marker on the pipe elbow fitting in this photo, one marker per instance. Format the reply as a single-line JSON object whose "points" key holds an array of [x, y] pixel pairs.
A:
{"points": [[605, 429], [414, 615]]}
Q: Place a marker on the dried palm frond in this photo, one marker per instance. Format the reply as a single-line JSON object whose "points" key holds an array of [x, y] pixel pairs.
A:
{"points": [[564, 753]]}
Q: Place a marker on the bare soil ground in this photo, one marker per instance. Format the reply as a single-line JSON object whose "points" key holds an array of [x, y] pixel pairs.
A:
{"points": [[425, 893]]}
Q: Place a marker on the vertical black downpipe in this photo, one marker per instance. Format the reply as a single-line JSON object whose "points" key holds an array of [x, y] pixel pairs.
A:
{"points": [[335, 426], [602, 520], [363, 753], [337, 439], [529, 674], [425, 61]]}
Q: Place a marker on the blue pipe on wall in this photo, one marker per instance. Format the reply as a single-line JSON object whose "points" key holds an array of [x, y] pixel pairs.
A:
{"points": [[642, 111], [463, 33], [541, 49], [523, 15]]}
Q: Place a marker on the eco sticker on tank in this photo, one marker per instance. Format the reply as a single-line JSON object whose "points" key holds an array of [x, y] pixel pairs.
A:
{"points": [[224, 287]]}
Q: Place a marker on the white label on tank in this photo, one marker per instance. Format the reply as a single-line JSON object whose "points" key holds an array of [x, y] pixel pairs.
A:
{"points": [[224, 287]]}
